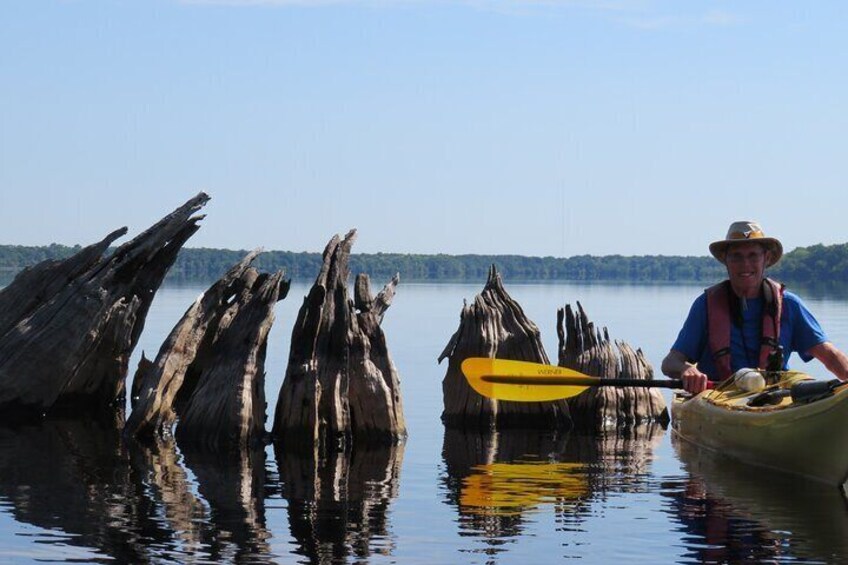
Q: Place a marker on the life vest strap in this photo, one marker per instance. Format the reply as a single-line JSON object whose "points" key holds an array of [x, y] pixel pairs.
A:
{"points": [[720, 317], [721, 352]]}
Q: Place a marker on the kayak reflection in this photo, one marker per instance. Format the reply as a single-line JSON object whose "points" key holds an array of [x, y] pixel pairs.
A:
{"points": [[734, 511]]}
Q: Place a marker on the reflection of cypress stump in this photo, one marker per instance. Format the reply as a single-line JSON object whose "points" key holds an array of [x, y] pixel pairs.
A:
{"points": [[339, 503], [233, 486], [590, 352], [72, 476], [340, 382], [210, 369], [495, 479], [495, 326], [68, 328], [163, 487]]}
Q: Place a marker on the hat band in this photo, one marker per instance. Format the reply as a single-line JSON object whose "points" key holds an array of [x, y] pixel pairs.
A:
{"points": [[753, 234]]}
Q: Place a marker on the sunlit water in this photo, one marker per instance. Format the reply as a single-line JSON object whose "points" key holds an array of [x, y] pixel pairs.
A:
{"points": [[71, 491]]}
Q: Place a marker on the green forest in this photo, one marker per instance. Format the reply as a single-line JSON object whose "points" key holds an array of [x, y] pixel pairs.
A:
{"points": [[818, 263]]}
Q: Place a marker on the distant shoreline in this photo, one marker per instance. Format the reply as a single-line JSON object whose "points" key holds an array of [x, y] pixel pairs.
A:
{"points": [[815, 264]]}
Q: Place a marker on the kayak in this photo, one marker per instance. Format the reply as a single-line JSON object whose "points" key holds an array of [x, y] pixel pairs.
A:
{"points": [[805, 435]]}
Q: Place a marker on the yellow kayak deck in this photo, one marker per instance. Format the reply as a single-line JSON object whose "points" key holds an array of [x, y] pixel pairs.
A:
{"points": [[806, 439]]}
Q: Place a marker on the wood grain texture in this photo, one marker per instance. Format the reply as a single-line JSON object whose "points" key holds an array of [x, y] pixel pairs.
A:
{"points": [[68, 328]]}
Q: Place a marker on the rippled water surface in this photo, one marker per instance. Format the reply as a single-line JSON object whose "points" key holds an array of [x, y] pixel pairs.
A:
{"points": [[71, 491]]}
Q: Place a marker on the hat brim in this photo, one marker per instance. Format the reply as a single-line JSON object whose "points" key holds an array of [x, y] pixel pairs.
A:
{"points": [[718, 249]]}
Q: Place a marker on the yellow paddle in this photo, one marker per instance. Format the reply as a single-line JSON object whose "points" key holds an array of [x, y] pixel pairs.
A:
{"points": [[522, 381]]}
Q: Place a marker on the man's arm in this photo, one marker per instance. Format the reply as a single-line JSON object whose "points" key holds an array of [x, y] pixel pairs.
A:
{"points": [[829, 356], [676, 366]]}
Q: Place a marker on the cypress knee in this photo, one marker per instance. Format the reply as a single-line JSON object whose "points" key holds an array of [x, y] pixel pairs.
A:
{"points": [[68, 328], [584, 348], [340, 383], [494, 325], [210, 370]]}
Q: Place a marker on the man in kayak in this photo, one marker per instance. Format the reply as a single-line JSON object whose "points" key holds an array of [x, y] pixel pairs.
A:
{"points": [[748, 320]]}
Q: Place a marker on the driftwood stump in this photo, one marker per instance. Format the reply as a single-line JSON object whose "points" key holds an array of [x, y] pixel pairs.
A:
{"points": [[589, 351], [494, 325], [210, 369], [340, 383], [68, 328]]}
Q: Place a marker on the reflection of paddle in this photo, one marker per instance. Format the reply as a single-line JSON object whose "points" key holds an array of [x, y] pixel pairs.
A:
{"points": [[521, 381], [510, 488]]}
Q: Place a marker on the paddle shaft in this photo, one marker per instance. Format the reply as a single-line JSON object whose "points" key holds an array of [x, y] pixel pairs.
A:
{"points": [[581, 381]]}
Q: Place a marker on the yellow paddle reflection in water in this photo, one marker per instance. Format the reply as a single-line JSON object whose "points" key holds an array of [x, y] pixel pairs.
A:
{"points": [[508, 489]]}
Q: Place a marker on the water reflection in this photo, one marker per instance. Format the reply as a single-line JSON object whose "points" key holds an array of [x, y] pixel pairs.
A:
{"points": [[496, 480], [232, 484], [164, 493], [338, 502], [508, 489], [74, 477], [128, 502], [731, 512]]}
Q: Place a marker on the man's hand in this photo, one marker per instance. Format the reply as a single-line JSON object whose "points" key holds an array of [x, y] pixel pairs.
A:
{"points": [[675, 366], [694, 381]]}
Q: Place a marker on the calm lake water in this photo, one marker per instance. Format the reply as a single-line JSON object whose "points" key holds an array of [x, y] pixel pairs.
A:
{"points": [[70, 492]]}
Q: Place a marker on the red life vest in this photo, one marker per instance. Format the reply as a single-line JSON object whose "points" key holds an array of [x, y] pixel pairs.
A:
{"points": [[722, 307]]}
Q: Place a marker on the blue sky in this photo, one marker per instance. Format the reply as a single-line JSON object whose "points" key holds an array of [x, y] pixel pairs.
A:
{"points": [[518, 127]]}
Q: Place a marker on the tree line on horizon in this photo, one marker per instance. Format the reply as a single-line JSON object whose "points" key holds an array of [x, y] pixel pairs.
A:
{"points": [[817, 263]]}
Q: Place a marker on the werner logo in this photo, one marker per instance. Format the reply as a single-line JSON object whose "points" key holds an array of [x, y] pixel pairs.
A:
{"points": [[548, 372]]}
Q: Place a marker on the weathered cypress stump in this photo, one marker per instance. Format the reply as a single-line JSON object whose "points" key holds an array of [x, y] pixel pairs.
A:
{"points": [[68, 328], [583, 348], [340, 382], [494, 325], [210, 369]]}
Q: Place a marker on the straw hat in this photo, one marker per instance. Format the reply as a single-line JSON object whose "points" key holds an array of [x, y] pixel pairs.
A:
{"points": [[743, 232]]}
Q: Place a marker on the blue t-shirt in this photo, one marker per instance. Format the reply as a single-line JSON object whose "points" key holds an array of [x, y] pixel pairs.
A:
{"points": [[799, 331]]}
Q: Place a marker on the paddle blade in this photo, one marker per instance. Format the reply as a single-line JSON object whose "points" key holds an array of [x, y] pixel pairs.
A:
{"points": [[545, 381]]}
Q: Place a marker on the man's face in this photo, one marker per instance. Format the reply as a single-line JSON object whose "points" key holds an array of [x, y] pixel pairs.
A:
{"points": [[746, 264]]}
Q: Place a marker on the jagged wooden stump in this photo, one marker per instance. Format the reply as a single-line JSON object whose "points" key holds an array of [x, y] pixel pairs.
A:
{"points": [[340, 382], [583, 348], [210, 369], [494, 325], [68, 328]]}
